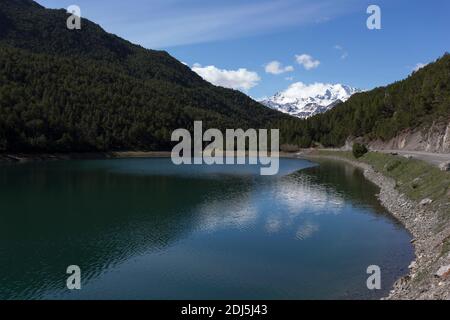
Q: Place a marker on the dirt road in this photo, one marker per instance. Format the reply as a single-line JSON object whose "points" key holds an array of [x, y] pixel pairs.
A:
{"points": [[433, 158]]}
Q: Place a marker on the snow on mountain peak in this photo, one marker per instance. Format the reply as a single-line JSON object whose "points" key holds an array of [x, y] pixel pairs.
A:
{"points": [[304, 101]]}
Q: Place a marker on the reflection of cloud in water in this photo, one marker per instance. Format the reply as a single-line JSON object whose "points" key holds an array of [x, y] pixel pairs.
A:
{"points": [[300, 193], [273, 225], [236, 212], [307, 230], [288, 198]]}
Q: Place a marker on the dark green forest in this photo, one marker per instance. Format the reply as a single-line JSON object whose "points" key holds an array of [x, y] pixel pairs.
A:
{"points": [[87, 90], [50, 103]]}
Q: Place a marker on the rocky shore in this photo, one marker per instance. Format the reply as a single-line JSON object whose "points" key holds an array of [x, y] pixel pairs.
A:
{"points": [[429, 276]]}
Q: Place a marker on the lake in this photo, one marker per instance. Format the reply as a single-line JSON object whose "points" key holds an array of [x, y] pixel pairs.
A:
{"points": [[146, 229]]}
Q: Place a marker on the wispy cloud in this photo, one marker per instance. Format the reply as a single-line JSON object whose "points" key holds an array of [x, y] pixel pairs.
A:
{"points": [[343, 52], [241, 79], [307, 61], [275, 67], [176, 22]]}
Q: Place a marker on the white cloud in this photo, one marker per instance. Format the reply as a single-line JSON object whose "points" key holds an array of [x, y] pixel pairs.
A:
{"points": [[419, 66], [241, 79], [275, 67], [307, 61]]}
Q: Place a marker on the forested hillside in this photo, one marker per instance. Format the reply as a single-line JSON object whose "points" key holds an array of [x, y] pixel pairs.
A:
{"points": [[87, 90], [418, 101]]}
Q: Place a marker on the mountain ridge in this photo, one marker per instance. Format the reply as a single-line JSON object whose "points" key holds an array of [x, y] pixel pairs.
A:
{"points": [[304, 101]]}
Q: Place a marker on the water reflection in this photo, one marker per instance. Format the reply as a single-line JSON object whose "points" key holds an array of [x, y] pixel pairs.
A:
{"points": [[307, 230], [117, 218]]}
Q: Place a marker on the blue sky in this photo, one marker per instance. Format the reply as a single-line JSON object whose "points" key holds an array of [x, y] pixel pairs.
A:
{"points": [[225, 36]]}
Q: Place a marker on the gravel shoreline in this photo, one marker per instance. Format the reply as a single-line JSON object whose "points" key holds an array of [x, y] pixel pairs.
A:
{"points": [[428, 278]]}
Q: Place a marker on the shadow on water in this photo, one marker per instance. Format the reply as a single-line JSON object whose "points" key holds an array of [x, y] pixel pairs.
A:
{"points": [[115, 217]]}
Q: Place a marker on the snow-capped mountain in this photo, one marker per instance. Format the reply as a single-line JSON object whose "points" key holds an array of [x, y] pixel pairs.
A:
{"points": [[305, 101]]}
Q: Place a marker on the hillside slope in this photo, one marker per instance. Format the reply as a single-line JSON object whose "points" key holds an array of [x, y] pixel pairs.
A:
{"points": [[420, 102], [87, 90]]}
